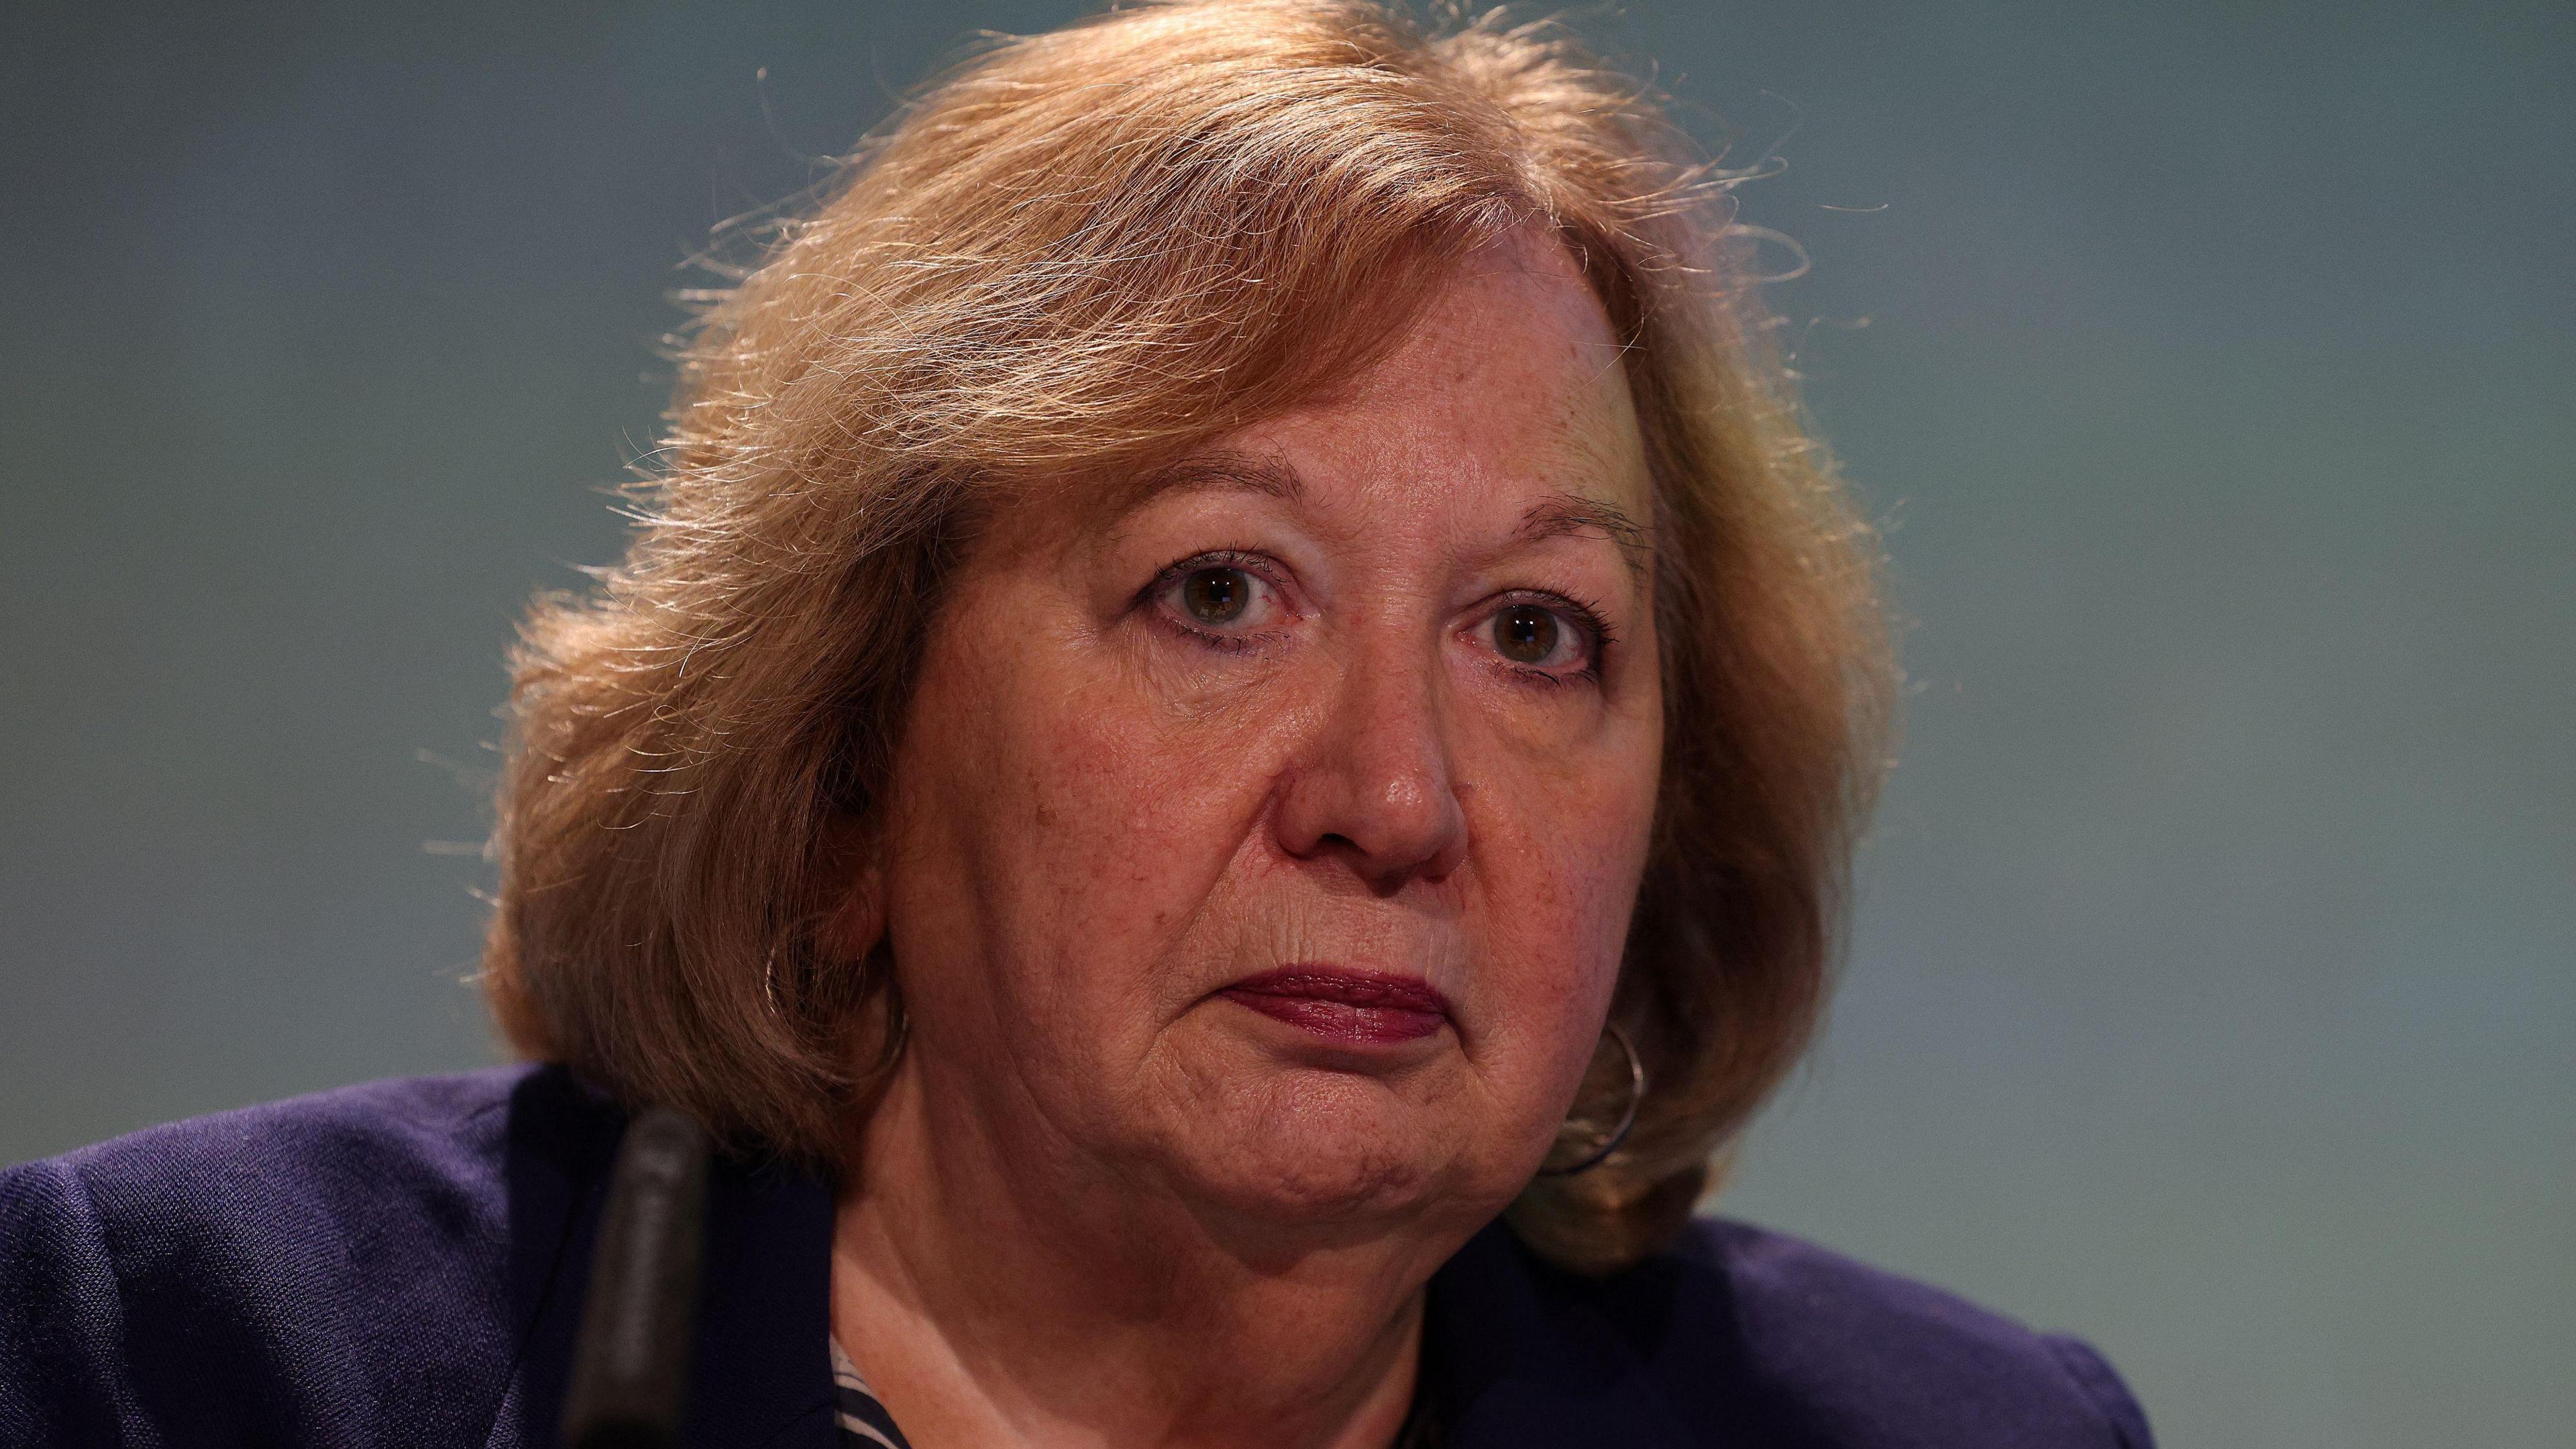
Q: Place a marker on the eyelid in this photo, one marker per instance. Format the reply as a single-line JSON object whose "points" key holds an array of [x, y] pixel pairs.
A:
{"points": [[1248, 560]]}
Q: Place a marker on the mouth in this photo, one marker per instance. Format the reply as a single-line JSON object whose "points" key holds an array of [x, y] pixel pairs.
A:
{"points": [[1349, 1008]]}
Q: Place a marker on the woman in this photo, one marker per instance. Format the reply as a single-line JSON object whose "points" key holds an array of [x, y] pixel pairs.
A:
{"points": [[1221, 761]]}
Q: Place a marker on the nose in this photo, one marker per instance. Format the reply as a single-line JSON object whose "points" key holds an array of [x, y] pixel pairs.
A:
{"points": [[1375, 786]]}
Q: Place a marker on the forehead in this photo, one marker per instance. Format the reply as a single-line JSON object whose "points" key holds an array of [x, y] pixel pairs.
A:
{"points": [[1511, 367], [1506, 391]]}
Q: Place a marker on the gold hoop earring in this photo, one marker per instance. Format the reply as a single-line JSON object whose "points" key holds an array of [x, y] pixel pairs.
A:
{"points": [[1627, 1119]]}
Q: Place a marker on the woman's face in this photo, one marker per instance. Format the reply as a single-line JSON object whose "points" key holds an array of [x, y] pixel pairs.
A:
{"points": [[1272, 840]]}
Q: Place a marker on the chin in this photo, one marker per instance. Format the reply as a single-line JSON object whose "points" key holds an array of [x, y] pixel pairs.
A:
{"points": [[1325, 1149]]}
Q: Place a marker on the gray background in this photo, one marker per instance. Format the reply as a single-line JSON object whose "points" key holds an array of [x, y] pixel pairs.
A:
{"points": [[2211, 989]]}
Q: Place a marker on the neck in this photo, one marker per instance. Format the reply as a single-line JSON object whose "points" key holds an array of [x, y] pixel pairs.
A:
{"points": [[1011, 1291]]}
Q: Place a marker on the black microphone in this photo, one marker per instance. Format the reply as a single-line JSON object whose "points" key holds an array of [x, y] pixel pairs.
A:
{"points": [[630, 1367]]}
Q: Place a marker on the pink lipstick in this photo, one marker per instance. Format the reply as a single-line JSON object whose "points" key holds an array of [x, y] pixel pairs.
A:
{"points": [[1353, 1008]]}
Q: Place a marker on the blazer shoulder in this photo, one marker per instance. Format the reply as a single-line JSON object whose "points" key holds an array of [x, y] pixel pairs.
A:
{"points": [[366, 1157], [1736, 1335], [293, 1266], [1884, 1359]]}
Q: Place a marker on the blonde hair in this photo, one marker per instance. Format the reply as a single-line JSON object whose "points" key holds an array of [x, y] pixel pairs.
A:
{"points": [[1077, 254]]}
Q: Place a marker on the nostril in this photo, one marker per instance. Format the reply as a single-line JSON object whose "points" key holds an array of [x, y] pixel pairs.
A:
{"points": [[1388, 820]]}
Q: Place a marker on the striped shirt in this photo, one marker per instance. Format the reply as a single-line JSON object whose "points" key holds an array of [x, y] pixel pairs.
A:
{"points": [[865, 1424]]}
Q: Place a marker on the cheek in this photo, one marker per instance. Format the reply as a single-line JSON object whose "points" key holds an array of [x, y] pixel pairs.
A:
{"points": [[1070, 829], [1561, 859], [1563, 897]]}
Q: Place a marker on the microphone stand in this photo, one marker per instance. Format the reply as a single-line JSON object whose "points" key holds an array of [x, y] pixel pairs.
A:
{"points": [[630, 1368]]}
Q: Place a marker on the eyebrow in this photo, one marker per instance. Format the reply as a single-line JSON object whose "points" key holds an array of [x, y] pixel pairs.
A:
{"points": [[1561, 515], [1221, 468], [1566, 514]]}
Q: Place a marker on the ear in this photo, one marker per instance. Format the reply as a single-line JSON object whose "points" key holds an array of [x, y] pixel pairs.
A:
{"points": [[852, 888]]}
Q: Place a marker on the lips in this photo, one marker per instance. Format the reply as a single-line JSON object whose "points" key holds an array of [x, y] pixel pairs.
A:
{"points": [[1352, 1008]]}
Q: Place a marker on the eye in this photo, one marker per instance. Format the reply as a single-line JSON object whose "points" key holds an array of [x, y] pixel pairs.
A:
{"points": [[1526, 634], [1216, 595], [1226, 598], [1550, 639]]}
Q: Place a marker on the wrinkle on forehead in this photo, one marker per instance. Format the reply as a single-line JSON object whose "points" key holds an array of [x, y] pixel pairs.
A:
{"points": [[1562, 514], [1577, 417], [1593, 444]]}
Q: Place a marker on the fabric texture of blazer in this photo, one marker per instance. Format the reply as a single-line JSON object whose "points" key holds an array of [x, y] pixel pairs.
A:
{"points": [[402, 1264]]}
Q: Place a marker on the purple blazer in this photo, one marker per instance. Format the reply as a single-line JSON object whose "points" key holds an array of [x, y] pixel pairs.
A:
{"points": [[402, 1264]]}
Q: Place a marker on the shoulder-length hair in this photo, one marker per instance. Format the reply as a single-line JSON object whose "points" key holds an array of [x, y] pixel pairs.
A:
{"points": [[1077, 254]]}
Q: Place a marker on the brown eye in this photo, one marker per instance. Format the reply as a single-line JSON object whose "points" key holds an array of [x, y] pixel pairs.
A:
{"points": [[1525, 633], [1216, 596]]}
